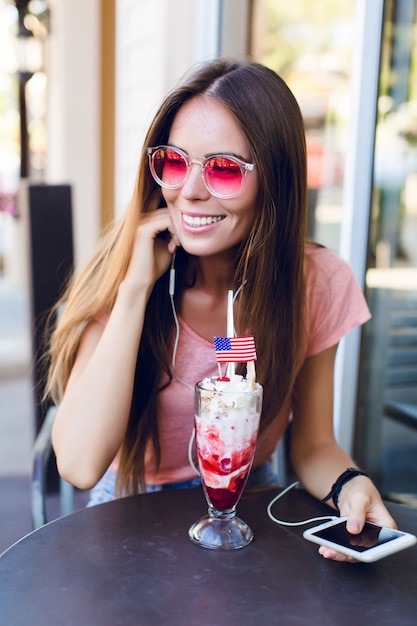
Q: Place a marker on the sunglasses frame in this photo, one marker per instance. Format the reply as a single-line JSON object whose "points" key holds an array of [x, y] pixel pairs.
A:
{"points": [[244, 167]]}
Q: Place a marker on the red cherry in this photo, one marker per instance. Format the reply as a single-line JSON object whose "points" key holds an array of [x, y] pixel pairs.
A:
{"points": [[223, 379]]}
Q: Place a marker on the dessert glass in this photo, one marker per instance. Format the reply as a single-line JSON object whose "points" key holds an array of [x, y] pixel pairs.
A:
{"points": [[227, 418]]}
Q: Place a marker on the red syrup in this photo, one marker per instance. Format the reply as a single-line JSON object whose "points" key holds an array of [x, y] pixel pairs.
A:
{"points": [[226, 498]]}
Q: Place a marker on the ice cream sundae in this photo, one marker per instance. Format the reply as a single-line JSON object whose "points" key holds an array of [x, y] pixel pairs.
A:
{"points": [[227, 420], [227, 414]]}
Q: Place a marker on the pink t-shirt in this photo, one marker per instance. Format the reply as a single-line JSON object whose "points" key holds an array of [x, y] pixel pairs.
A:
{"points": [[334, 306]]}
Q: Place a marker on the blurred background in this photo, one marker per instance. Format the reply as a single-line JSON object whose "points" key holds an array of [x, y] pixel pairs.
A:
{"points": [[80, 82]]}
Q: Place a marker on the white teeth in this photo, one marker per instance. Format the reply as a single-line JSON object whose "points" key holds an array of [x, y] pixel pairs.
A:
{"points": [[201, 221]]}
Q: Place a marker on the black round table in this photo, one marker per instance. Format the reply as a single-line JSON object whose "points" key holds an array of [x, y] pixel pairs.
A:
{"points": [[131, 562]]}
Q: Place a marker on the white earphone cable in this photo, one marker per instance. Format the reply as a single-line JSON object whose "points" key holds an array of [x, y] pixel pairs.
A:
{"points": [[174, 355], [299, 523]]}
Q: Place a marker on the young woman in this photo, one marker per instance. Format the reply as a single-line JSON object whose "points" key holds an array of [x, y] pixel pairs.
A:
{"points": [[220, 197]]}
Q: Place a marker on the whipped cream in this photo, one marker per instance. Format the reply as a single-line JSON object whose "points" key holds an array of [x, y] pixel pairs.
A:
{"points": [[218, 396]]}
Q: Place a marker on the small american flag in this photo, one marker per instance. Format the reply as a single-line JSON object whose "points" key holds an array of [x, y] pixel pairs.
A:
{"points": [[235, 349]]}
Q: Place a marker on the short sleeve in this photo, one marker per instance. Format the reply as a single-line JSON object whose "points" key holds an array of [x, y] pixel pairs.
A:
{"points": [[335, 303]]}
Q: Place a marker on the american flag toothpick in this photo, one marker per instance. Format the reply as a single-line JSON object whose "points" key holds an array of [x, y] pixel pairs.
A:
{"points": [[235, 349]]}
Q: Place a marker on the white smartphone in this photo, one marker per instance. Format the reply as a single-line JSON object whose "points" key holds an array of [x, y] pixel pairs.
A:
{"points": [[373, 543]]}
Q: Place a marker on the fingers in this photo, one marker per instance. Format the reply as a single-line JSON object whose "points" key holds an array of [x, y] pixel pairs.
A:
{"points": [[158, 223], [156, 242], [378, 514], [153, 223], [366, 507], [332, 555], [356, 520]]}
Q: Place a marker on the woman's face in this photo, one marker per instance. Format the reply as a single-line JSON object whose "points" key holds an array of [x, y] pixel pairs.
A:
{"points": [[204, 224]]}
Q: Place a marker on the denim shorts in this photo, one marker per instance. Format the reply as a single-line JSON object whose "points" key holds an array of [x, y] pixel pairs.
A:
{"points": [[105, 489]]}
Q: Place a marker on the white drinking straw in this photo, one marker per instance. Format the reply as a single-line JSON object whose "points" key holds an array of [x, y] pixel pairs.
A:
{"points": [[230, 328], [230, 322]]}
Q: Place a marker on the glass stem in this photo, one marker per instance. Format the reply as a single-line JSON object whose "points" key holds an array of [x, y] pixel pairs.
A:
{"points": [[226, 514]]}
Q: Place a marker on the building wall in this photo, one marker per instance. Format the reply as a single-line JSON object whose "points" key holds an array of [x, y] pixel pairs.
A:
{"points": [[73, 66]]}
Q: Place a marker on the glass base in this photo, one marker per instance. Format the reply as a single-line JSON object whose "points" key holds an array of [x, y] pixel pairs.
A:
{"points": [[221, 534]]}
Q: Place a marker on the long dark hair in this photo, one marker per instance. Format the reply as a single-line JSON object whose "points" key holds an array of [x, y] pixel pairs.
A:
{"points": [[270, 260]]}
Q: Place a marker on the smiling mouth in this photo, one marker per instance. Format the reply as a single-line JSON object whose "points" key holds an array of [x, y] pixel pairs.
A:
{"points": [[202, 221]]}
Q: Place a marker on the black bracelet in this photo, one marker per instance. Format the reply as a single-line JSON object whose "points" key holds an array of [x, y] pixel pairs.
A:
{"points": [[334, 493]]}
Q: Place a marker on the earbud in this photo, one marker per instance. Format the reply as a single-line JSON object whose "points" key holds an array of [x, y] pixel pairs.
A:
{"points": [[172, 277]]}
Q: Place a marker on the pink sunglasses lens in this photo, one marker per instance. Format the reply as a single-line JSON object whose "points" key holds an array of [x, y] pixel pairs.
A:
{"points": [[170, 167], [223, 176]]}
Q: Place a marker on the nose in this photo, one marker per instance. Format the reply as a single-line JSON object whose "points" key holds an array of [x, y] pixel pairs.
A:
{"points": [[194, 186]]}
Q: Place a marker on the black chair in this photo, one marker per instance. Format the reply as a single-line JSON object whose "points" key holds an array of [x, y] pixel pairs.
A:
{"points": [[41, 454], [402, 412], [401, 367]]}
